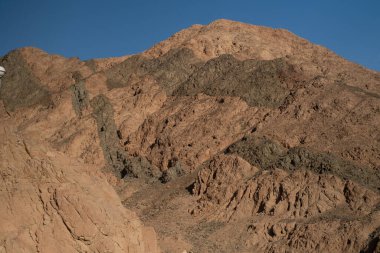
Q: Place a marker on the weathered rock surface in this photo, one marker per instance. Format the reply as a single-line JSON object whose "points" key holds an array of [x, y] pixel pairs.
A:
{"points": [[51, 203], [278, 193], [226, 137], [190, 130]]}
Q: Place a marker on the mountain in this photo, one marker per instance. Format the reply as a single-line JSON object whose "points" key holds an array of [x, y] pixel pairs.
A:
{"points": [[226, 137]]}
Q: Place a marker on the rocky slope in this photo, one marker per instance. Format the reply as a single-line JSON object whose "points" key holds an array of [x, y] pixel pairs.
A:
{"points": [[54, 203], [226, 137]]}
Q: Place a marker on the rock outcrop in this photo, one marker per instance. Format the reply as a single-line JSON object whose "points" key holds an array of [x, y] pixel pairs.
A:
{"points": [[53, 203], [226, 137]]}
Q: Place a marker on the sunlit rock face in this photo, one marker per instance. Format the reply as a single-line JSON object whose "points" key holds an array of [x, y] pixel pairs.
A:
{"points": [[225, 137]]}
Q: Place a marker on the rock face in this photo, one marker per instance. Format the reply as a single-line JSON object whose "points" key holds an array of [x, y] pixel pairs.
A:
{"points": [[55, 196], [51, 203], [226, 137], [190, 130], [281, 205]]}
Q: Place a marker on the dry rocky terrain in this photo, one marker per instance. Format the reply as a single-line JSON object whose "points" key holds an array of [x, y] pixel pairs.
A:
{"points": [[226, 137]]}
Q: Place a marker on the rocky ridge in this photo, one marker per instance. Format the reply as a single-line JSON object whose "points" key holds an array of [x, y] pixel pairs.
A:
{"points": [[226, 137]]}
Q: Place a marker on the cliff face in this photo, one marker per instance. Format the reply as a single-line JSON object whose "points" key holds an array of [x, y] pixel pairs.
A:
{"points": [[226, 137], [55, 196], [55, 203]]}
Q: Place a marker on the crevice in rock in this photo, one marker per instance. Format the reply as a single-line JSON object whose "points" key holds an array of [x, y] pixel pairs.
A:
{"points": [[107, 131], [118, 160], [373, 244], [79, 94]]}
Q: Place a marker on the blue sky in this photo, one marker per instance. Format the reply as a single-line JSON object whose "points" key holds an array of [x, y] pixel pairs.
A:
{"points": [[93, 29]]}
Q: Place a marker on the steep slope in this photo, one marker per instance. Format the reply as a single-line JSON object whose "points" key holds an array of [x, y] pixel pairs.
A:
{"points": [[54, 201], [229, 37], [245, 41], [226, 137], [280, 205], [318, 119], [51, 203]]}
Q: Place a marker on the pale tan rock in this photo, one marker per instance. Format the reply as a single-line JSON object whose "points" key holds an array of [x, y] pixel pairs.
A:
{"points": [[132, 105], [244, 41], [53, 71], [191, 130], [277, 193], [55, 204]]}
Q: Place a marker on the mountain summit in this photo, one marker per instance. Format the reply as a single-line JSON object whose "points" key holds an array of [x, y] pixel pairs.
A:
{"points": [[226, 137]]}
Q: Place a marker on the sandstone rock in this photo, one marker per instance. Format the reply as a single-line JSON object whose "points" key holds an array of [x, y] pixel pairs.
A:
{"points": [[277, 193], [265, 143], [192, 129], [55, 204]]}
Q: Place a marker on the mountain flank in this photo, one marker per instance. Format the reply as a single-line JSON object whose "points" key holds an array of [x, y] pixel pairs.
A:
{"points": [[226, 137]]}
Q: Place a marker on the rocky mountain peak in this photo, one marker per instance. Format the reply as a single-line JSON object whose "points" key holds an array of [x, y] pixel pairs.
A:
{"points": [[226, 137]]}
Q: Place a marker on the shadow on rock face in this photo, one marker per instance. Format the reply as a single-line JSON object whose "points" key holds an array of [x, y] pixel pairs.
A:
{"points": [[118, 161], [268, 154], [80, 95], [174, 171], [373, 244], [169, 71], [20, 88], [259, 83]]}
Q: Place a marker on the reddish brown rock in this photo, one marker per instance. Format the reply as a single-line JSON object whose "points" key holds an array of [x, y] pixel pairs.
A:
{"points": [[271, 148], [55, 204]]}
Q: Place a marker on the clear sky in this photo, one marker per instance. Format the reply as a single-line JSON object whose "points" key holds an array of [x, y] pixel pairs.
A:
{"points": [[94, 28]]}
